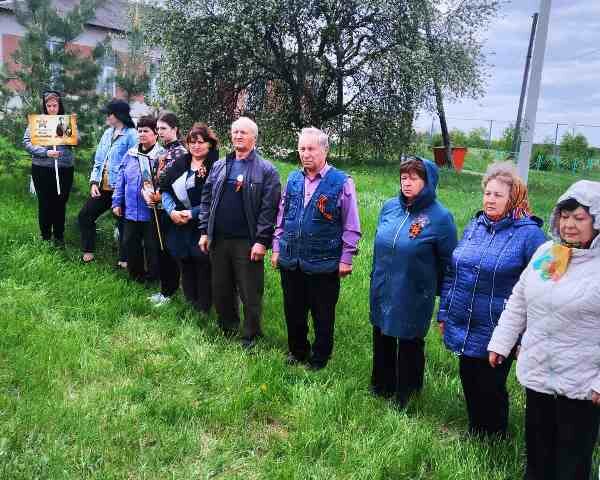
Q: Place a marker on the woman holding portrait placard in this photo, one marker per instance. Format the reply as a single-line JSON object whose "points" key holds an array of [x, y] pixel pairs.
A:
{"points": [[52, 175]]}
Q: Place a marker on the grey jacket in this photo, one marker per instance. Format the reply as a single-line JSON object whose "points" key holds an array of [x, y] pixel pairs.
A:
{"points": [[39, 153], [261, 197]]}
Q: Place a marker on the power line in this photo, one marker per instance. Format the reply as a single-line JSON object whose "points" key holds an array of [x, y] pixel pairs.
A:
{"points": [[596, 50]]}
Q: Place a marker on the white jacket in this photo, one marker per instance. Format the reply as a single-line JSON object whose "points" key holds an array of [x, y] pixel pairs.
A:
{"points": [[560, 349]]}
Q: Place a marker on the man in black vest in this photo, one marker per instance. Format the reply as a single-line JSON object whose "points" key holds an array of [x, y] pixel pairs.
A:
{"points": [[316, 236], [236, 221]]}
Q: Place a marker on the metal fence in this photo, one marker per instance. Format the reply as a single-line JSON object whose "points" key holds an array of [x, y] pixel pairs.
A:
{"points": [[547, 138], [545, 132]]}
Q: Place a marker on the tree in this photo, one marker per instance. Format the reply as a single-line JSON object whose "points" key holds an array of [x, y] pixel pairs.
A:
{"points": [[133, 72], [456, 64], [458, 137], [46, 58], [506, 141], [309, 62], [6, 117], [477, 138], [574, 148]]}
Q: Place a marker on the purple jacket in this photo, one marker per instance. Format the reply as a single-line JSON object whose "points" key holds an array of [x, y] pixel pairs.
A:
{"points": [[128, 189]]}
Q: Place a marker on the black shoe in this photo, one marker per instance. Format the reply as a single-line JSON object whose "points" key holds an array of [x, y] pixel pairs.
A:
{"points": [[248, 343], [228, 332], [315, 365], [294, 360], [399, 402], [379, 392]]}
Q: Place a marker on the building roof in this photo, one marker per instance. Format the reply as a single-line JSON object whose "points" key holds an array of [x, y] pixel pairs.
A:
{"points": [[110, 14]]}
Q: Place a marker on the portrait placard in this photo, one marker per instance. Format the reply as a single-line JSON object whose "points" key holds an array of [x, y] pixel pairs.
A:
{"points": [[50, 130]]}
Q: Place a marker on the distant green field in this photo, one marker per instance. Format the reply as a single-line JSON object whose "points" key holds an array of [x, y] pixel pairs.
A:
{"points": [[97, 384]]}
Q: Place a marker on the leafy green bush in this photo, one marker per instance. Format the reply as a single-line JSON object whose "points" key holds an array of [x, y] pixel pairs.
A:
{"points": [[11, 157]]}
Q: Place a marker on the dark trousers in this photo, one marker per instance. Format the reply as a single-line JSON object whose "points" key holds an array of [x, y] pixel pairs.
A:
{"points": [[196, 281], [317, 293], [89, 213], [51, 206], [560, 435], [142, 248], [485, 394], [398, 366], [169, 270], [234, 273]]}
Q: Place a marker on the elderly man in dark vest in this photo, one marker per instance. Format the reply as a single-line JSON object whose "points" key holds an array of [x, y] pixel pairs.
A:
{"points": [[316, 236]]}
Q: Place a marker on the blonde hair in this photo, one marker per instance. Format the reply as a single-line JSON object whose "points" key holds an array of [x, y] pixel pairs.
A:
{"points": [[505, 172], [518, 198]]}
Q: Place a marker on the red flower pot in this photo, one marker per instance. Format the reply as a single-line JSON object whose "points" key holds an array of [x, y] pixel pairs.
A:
{"points": [[458, 157]]}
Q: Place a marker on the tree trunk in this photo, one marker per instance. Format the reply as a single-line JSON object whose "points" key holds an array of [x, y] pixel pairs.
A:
{"points": [[439, 101], [439, 98]]}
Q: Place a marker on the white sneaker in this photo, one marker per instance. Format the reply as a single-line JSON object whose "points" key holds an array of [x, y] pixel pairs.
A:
{"points": [[164, 301], [158, 299], [155, 297]]}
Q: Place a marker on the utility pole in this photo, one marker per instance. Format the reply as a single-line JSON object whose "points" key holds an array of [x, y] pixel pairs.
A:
{"points": [[517, 132], [534, 89]]}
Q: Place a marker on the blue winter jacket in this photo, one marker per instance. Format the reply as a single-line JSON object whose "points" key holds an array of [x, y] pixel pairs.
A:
{"points": [[128, 188], [111, 153], [413, 247], [485, 267]]}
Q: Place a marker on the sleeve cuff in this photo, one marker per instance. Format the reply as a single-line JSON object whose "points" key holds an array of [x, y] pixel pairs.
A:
{"points": [[346, 258], [264, 241], [497, 347], [195, 212], [275, 246]]}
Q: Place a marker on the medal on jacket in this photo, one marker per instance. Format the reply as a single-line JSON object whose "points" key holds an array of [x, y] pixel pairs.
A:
{"points": [[417, 226], [201, 172], [239, 181], [321, 204]]}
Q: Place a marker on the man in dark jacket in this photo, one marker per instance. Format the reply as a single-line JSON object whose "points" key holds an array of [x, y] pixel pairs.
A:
{"points": [[236, 222]]}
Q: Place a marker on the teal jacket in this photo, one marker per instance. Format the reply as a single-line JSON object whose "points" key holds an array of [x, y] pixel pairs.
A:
{"points": [[412, 251]]}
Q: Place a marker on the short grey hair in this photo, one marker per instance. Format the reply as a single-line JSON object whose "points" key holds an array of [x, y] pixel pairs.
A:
{"points": [[247, 121], [506, 172], [322, 137]]}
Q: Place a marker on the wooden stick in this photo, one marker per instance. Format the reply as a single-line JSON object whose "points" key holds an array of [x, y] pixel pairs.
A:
{"points": [[162, 247], [56, 172]]}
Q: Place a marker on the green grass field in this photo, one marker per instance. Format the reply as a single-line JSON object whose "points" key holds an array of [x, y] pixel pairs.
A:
{"points": [[95, 383]]}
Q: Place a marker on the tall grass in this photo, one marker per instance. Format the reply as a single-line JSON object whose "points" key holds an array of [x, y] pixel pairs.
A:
{"points": [[97, 384]]}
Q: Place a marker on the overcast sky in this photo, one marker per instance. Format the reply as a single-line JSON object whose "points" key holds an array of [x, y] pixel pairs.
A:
{"points": [[571, 79]]}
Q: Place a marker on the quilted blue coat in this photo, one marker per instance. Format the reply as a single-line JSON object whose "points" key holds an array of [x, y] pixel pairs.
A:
{"points": [[486, 265], [413, 247]]}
